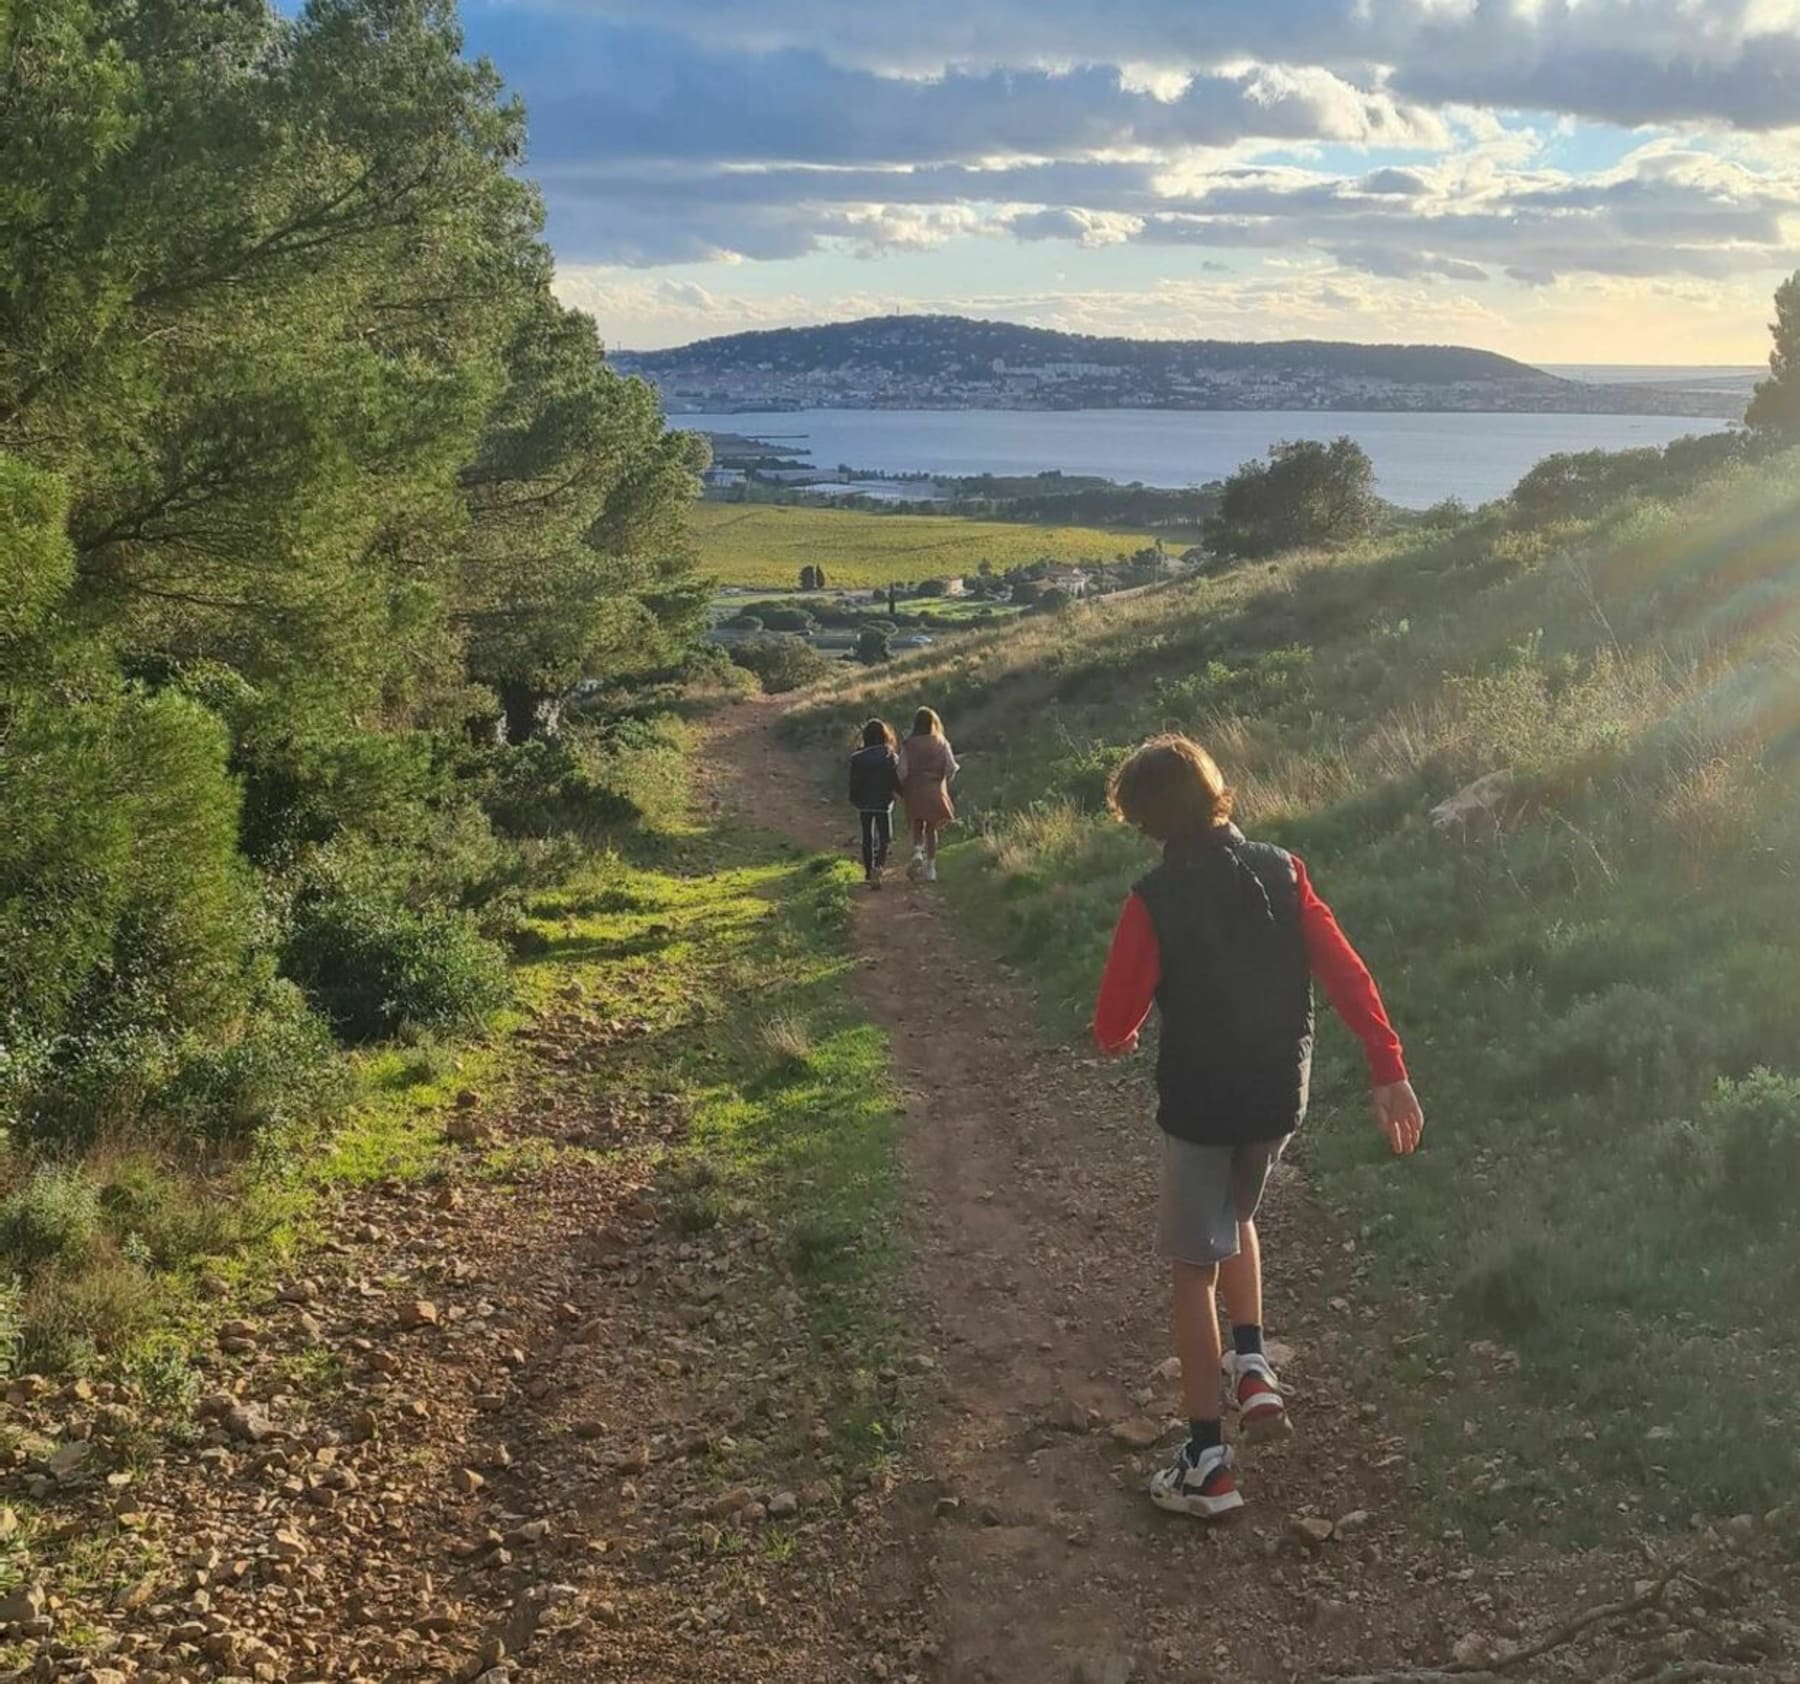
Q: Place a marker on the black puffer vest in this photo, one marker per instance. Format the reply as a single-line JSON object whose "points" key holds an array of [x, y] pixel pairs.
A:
{"points": [[1234, 1060]]}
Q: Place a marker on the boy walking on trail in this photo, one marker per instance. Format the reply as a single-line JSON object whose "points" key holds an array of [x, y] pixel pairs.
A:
{"points": [[874, 782], [1226, 937]]}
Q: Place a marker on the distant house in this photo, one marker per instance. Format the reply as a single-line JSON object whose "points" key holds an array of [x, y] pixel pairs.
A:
{"points": [[719, 479], [956, 587], [1071, 579]]}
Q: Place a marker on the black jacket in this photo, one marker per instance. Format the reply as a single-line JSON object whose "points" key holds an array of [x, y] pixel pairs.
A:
{"points": [[1234, 1059], [874, 778]]}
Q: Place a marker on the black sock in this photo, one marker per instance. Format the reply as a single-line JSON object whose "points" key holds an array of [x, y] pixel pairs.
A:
{"points": [[1204, 1435], [1247, 1339]]}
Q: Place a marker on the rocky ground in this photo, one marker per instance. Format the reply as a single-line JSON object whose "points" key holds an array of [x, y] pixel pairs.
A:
{"points": [[522, 1420]]}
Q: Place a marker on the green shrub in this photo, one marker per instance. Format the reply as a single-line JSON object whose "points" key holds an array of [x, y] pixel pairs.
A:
{"points": [[1756, 1126], [164, 1374], [372, 967], [68, 1314], [127, 917], [778, 619], [280, 1070], [781, 663], [1306, 493], [545, 785], [51, 1216], [627, 771], [1629, 1038], [1083, 777]]}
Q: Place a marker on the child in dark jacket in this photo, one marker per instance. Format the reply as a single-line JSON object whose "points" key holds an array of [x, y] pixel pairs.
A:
{"points": [[1226, 937], [874, 782]]}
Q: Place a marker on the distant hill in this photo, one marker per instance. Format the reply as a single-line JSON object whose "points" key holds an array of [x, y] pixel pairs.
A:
{"points": [[954, 362]]}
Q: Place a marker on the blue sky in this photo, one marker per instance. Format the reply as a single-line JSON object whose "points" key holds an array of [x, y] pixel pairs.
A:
{"points": [[1562, 180]]}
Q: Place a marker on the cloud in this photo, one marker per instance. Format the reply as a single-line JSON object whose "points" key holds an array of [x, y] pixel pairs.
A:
{"points": [[1397, 263], [1665, 209], [632, 93], [1734, 62], [1086, 228]]}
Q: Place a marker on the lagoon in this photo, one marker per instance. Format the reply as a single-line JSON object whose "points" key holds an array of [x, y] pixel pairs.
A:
{"points": [[1420, 459]]}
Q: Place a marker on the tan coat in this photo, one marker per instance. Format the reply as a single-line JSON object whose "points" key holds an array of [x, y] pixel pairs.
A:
{"points": [[927, 764]]}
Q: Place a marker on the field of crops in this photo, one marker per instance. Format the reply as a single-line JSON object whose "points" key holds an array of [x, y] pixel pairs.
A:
{"points": [[763, 544]]}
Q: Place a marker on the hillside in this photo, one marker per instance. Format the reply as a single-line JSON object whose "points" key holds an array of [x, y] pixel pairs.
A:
{"points": [[955, 362], [1596, 978]]}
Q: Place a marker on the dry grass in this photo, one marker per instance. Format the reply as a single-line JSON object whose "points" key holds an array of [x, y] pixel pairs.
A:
{"points": [[786, 1042]]}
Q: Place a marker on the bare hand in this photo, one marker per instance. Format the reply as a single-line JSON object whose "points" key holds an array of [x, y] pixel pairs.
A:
{"points": [[1399, 1117]]}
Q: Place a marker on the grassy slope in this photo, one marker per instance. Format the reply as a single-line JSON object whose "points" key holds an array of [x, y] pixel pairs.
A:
{"points": [[766, 545], [1571, 992]]}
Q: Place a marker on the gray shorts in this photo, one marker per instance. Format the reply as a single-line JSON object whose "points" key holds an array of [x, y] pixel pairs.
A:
{"points": [[1206, 1192]]}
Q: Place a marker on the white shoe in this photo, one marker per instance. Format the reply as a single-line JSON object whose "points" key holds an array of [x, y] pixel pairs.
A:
{"points": [[931, 871], [1256, 1395], [916, 869], [1203, 1488]]}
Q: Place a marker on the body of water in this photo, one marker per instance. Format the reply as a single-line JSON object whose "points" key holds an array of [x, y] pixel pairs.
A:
{"points": [[1420, 459]]}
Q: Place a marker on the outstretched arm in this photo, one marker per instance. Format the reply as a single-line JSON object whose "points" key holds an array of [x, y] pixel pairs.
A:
{"points": [[1341, 972], [1128, 984]]}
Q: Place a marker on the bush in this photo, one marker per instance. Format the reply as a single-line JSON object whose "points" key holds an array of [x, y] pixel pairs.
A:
{"points": [[1756, 1126], [873, 645], [1305, 494], [1576, 483], [782, 663], [68, 1314], [544, 785], [52, 1216], [777, 619], [372, 967], [282, 1069], [1083, 777], [127, 917]]}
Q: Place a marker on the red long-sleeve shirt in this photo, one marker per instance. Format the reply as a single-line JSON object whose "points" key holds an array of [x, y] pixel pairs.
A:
{"points": [[1134, 968]]}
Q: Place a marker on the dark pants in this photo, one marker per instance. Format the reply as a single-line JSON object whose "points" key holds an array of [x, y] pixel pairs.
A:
{"points": [[877, 837]]}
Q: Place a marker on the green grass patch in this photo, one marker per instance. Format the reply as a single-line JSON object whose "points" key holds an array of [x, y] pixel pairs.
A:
{"points": [[728, 962], [765, 545]]}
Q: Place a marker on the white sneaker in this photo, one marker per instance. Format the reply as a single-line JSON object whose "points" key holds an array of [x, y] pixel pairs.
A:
{"points": [[1203, 1488], [1256, 1395], [916, 869], [931, 871]]}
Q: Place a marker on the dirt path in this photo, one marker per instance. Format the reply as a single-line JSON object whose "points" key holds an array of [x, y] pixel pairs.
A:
{"points": [[1040, 1298], [1036, 1292]]}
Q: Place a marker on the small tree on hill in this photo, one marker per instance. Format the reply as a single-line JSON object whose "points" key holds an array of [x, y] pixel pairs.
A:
{"points": [[1305, 494], [873, 646], [1775, 406]]}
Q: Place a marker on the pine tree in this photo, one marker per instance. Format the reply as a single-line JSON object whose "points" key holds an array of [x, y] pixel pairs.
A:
{"points": [[1775, 406]]}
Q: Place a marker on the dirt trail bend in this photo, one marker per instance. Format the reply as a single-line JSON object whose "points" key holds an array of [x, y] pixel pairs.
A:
{"points": [[1037, 1296]]}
